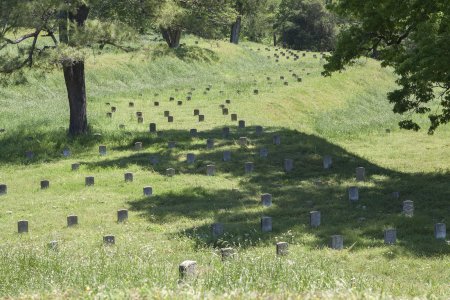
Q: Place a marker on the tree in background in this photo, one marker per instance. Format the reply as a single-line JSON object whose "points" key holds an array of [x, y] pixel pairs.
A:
{"points": [[53, 33], [205, 18], [412, 37], [306, 25]]}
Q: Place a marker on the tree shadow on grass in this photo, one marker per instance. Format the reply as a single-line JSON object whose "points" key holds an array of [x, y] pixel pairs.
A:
{"points": [[308, 187], [186, 53]]}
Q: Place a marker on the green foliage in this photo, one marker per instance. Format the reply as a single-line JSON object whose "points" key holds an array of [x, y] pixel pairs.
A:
{"points": [[258, 17], [306, 25], [413, 37]]}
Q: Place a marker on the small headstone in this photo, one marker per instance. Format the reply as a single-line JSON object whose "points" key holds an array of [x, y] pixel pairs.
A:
{"points": [[89, 180], [258, 130], [233, 117], [241, 124], [201, 118], [152, 127], [227, 253], [224, 111], [171, 98], [299, 79], [66, 152], [102, 150], [263, 152], [286, 83], [266, 224], [217, 229], [72, 220], [148, 191], [122, 215], [156, 103], [209, 143], [190, 158], [75, 166], [166, 113], [276, 140], [314, 218], [193, 132], [249, 167], [360, 174], [188, 98], [396, 195], [327, 162], [109, 240], [228, 101], [408, 208], [29, 154], [226, 155], [196, 112], [266, 199], [353, 193], [179, 102], [243, 141], [288, 165], [282, 248], [390, 236], [226, 132], [45, 184], [282, 77], [140, 120], [3, 189], [139, 114], [171, 144], [113, 109], [337, 242], [22, 226], [170, 119], [170, 172], [210, 170], [440, 231], [128, 177], [131, 104], [187, 269], [138, 146], [256, 92]]}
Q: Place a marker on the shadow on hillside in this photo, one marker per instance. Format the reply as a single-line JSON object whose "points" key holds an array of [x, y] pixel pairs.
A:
{"points": [[186, 53]]}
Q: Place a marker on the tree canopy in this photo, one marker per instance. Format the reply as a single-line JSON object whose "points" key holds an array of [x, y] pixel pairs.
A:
{"points": [[412, 37]]}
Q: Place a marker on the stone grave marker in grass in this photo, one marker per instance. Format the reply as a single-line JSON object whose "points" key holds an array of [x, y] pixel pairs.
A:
{"points": [[45, 184], [314, 218], [190, 158], [109, 240], [288, 165], [210, 170], [22, 226], [282, 248], [360, 174], [337, 242], [249, 167], [217, 230], [187, 269], [390, 236], [440, 231], [102, 150], [128, 177], [353, 193], [266, 199], [408, 208], [226, 155], [148, 191], [266, 224], [72, 220], [89, 181], [122, 215]]}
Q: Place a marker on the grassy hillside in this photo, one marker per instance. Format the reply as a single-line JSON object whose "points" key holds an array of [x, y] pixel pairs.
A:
{"points": [[345, 116]]}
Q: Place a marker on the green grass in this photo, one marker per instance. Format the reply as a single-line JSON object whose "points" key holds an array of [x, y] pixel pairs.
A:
{"points": [[345, 116]]}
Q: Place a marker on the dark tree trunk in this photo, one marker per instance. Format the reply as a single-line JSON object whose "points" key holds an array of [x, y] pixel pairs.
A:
{"points": [[171, 36], [74, 75], [235, 30], [284, 39], [76, 90], [274, 39]]}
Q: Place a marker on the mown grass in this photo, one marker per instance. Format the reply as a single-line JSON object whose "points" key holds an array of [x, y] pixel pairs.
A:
{"points": [[345, 116]]}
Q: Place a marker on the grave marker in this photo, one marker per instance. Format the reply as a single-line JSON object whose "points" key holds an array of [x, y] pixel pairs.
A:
{"points": [[75, 166], [171, 144], [226, 132], [122, 215], [209, 143], [193, 132], [408, 208], [187, 269], [249, 167], [353, 193], [156, 103], [210, 170], [201, 118], [226, 155], [243, 142], [190, 158], [266, 224], [29, 154], [3, 189], [22, 226], [390, 236], [227, 253], [130, 104], [276, 140], [241, 124], [327, 162], [314, 218], [288, 165], [263, 152], [166, 113], [282, 248], [102, 150], [148, 191], [258, 130], [360, 174], [225, 111], [138, 146], [170, 119], [45, 184], [152, 127], [337, 242], [266, 200], [217, 230], [170, 172], [109, 240], [440, 231], [72, 220], [128, 177]]}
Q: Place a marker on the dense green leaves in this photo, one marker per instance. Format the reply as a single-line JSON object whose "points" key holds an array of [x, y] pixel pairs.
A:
{"points": [[413, 37]]}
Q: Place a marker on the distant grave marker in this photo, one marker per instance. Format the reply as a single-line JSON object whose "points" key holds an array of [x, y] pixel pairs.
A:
{"points": [[226, 132], [166, 113], [3, 189], [193, 132], [102, 150], [45, 184], [288, 165], [187, 269], [29, 155], [276, 140], [360, 174], [226, 155], [210, 170], [263, 152], [440, 231], [22, 226], [225, 111], [201, 118], [130, 104], [390, 236], [327, 162], [314, 218], [138, 146], [353, 193], [122, 215], [148, 191], [109, 240], [72, 220], [408, 208], [171, 144], [170, 172], [266, 224], [190, 158], [282, 248], [249, 167], [243, 141], [156, 103], [128, 177], [75, 166], [266, 200], [89, 180], [217, 229], [258, 130], [241, 124], [152, 127], [337, 242]]}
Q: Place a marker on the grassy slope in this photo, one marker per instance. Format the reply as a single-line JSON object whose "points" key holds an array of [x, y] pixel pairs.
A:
{"points": [[345, 116]]}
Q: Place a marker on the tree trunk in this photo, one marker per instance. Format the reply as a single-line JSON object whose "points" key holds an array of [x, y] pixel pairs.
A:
{"points": [[76, 91], [284, 39], [235, 30], [171, 36], [274, 39]]}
